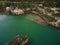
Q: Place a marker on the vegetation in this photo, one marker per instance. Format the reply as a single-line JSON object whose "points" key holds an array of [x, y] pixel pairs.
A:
{"points": [[49, 2]]}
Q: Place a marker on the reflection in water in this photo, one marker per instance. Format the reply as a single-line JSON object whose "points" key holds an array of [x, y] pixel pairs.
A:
{"points": [[2, 17]]}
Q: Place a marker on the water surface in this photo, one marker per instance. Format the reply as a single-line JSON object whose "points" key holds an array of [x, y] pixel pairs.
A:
{"points": [[10, 26]]}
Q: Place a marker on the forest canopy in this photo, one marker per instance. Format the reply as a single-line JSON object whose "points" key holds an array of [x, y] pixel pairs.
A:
{"points": [[47, 2]]}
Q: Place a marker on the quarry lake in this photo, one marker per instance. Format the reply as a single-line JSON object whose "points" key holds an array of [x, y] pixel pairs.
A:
{"points": [[10, 26]]}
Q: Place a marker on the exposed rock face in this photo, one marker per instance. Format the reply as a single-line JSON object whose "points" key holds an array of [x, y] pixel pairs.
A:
{"points": [[8, 8], [56, 24], [20, 11], [17, 11]]}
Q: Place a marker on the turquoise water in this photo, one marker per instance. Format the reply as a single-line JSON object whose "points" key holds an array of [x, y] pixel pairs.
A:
{"points": [[10, 26]]}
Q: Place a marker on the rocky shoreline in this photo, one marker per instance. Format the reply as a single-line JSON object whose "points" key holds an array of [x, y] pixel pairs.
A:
{"points": [[46, 13]]}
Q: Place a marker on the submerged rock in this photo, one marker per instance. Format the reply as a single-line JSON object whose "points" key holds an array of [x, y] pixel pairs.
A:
{"points": [[18, 40], [36, 19]]}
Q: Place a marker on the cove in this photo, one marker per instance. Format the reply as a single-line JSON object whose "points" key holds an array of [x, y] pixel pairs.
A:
{"points": [[10, 26]]}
